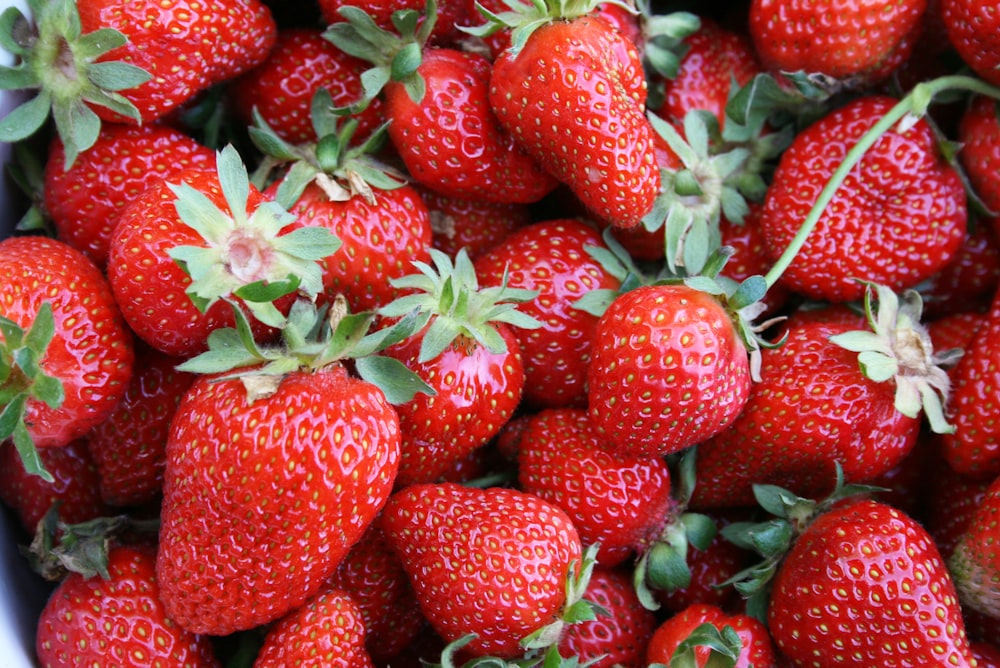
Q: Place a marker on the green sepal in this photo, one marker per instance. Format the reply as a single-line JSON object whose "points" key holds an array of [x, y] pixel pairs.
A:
{"points": [[724, 645], [395, 379]]}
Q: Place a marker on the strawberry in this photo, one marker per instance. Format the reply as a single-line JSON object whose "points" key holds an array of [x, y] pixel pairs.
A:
{"points": [[864, 45], [85, 200], [327, 631], [287, 417], [956, 498], [896, 219], [620, 503], [863, 390], [208, 238], [974, 447], [281, 89], [465, 349], [120, 62], [617, 638], [979, 134], [436, 101], [491, 562], [116, 619], [551, 257], [66, 353], [752, 646], [128, 446], [571, 90], [473, 225], [668, 370], [75, 486], [972, 29], [975, 562], [860, 582], [971, 277]]}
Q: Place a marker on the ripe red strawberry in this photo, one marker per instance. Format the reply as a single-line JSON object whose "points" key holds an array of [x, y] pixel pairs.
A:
{"points": [[753, 645], [180, 250], [327, 631], [84, 201], [974, 446], [66, 353], [861, 581], [863, 408], [864, 44], [128, 447], [375, 580], [979, 134], [975, 562], [955, 500], [492, 562], [716, 59], [551, 258], [464, 347], [274, 471], [970, 279], [473, 225], [281, 88], [118, 619], [620, 503], [897, 218], [973, 27], [75, 485], [617, 638], [572, 92], [121, 61], [668, 370]]}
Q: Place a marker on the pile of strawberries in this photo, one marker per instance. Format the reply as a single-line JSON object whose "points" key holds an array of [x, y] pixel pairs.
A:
{"points": [[505, 333]]}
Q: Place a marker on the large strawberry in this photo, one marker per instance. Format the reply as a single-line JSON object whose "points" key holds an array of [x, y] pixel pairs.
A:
{"points": [[65, 353], [182, 249], [276, 465], [571, 89], [466, 349], [491, 562], [436, 101], [552, 258], [84, 201], [896, 218], [116, 619], [120, 61], [975, 563], [865, 43], [862, 388]]}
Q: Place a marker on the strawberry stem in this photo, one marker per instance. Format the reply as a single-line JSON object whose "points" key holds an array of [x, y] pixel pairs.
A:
{"points": [[914, 104]]}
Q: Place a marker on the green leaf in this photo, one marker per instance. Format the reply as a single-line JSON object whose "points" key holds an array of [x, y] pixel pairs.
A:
{"points": [[25, 119], [235, 182], [397, 382], [115, 76]]}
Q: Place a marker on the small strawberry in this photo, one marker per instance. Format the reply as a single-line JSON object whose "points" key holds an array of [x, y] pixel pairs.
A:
{"points": [[571, 89], [116, 619], [617, 636], [491, 562], [84, 201], [128, 447], [684, 633], [552, 257], [897, 218], [464, 348], [181, 249], [865, 43], [119, 62], [277, 461], [65, 353], [975, 562], [973, 27], [327, 631], [281, 89]]}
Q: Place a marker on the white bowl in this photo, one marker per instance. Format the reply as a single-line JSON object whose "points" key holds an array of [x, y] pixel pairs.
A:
{"points": [[22, 593]]}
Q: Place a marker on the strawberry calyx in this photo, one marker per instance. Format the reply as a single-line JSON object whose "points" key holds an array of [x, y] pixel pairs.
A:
{"points": [[394, 56], [22, 378], [772, 538], [724, 646], [663, 45], [62, 64], [897, 347], [341, 168], [244, 254], [58, 548], [447, 300], [312, 338]]}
